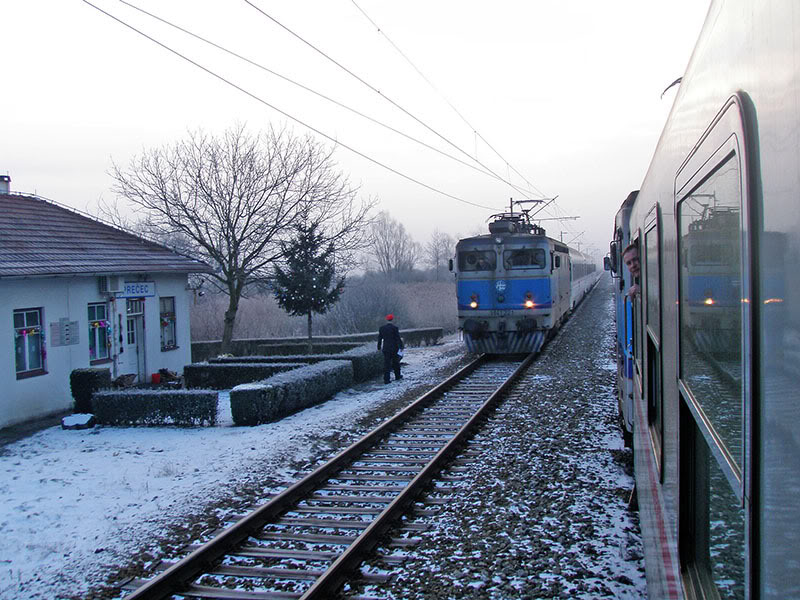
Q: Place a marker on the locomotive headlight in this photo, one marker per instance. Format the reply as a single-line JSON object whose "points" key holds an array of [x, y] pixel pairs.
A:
{"points": [[529, 300], [473, 301], [709, 301]]}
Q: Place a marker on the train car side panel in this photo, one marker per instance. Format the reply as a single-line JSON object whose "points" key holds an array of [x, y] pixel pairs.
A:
{"points": [[716, 403]]}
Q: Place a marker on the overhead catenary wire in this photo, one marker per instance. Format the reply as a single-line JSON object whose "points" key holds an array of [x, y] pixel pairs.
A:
{"points": [[555, 209], [382, 95], [284, 113], [307, 89], [446, 100]]}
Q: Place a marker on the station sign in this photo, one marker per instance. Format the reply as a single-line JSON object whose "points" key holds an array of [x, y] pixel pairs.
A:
{"points": [[138, 289]]}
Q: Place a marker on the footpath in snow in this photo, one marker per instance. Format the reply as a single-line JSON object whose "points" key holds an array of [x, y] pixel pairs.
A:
{"points": [[75, 506]]}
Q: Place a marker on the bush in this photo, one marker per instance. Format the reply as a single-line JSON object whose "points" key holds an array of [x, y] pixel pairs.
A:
{"points": [[364, 303], [297, 346], [367, 361], [250, 347], [225, 376], [85, 382], [156, 407], [285, 393]]}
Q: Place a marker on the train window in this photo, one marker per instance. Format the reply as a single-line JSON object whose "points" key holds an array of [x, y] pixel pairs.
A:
{"points": [[711, 305], [653, 282], [525, 258], [713, 549], [653, 388], [716, 253], [714, 381], [636, 321], [477, 260]]}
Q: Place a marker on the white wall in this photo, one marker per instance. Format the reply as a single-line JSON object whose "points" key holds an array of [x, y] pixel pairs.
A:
{"points": [[68, 297]]}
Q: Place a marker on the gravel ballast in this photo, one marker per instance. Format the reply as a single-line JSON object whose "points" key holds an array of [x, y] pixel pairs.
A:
{"points": [[542, 510]]}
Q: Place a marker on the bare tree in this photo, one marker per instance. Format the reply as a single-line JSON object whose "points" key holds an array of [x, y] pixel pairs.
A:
{"points": [[393, 248], [233, 199], [438, 250]]}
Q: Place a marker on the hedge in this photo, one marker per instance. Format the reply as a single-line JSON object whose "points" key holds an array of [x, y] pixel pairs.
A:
{"points": [[296, 347], [285, 393], [203, 350], [133, 407], [225, 376], [84, 382], [367, 361]]}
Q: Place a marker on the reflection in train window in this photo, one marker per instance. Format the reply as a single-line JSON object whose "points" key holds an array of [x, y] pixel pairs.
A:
{"points": [[715, 520], [653, 383], [711, 303], [653, 282], [715, 253], [477, 260], [524, 258]]}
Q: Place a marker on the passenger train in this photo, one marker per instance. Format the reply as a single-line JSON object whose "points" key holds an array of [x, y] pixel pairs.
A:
{"points": [[708, 347], [515, 285]]}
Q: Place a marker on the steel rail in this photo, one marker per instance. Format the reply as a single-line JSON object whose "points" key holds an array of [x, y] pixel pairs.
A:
{"points": [[327, 584], [201, 560]]}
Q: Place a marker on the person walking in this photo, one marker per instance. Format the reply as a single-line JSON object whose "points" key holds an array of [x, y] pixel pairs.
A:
{"points": [[389, 341]]}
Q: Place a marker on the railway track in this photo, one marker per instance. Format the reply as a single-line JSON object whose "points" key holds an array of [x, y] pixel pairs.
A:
{"points": [[306, 541]]}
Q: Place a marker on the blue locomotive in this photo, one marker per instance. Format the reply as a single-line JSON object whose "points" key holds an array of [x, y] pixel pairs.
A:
{"points": [[515, 285]]}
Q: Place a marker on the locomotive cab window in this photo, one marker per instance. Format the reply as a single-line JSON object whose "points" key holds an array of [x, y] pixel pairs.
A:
{"points": [[713, 370], [477, 260], [524, 258]]}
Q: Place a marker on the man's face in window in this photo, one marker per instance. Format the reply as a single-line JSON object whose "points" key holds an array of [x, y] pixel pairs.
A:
{"points": [[631, 260]]}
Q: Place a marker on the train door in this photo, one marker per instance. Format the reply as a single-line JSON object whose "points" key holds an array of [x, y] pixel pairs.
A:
{"points": [[651, 334], [714, 354]]}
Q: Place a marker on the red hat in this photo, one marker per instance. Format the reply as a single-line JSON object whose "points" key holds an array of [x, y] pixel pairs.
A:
{"points": [[389, 317]]}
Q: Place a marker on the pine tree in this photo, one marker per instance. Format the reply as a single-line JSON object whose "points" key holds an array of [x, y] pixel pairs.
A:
{"points": [[306, 283]]}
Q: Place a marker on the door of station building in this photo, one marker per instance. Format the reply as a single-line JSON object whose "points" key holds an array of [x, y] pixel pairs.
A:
{"points": [[134, 339]]}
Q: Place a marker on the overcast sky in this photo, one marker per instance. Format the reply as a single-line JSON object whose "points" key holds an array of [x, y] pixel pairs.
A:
{"points": [[566, 92]]}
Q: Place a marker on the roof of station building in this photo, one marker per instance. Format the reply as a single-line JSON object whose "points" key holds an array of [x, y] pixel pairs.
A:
{"points": [[40, 238]]}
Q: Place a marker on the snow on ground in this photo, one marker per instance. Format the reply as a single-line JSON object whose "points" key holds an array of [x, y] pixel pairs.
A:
{"points": [[540, 513], [75, 504]]}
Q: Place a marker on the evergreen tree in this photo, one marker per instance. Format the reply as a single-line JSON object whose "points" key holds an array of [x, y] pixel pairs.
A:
{"points": [[306, 283]]}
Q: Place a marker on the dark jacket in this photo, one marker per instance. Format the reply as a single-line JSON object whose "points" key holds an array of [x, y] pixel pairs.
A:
{"points": [[389, 338]]}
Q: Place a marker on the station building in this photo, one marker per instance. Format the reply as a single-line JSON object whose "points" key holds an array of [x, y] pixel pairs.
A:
{"points": [[76, 293]]}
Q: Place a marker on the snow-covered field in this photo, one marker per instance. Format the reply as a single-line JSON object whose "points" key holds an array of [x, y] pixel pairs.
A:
{"points": [[74, 505], [541, 513]]}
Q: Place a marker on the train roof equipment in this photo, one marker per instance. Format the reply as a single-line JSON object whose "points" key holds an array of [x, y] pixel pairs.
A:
{"points": [[515, 222]]}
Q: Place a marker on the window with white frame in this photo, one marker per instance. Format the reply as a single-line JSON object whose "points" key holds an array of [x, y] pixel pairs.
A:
{"points": [[99, 332], [29, 342], [167, 310]]}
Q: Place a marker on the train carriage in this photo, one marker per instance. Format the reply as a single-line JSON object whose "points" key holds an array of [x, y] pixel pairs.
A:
{"points": [[623, 314], [715, 329], [515, 285]]}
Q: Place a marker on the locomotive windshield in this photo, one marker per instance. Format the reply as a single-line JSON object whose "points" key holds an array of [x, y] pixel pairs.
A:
{"points": [[713, 253], [477, 260], [524, 258]]}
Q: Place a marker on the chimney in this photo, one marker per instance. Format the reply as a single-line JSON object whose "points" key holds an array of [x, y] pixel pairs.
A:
{"points": [[5, 184]]}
